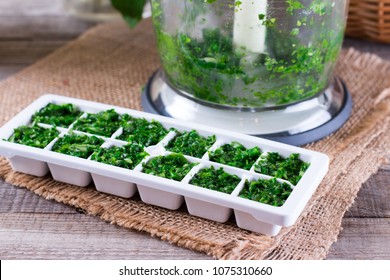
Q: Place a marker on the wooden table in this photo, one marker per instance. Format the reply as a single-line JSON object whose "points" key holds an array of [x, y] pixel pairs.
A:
{"points": [[34, 228]]}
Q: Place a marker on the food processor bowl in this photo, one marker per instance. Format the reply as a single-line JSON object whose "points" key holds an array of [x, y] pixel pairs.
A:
{"points": [[261, 67]]}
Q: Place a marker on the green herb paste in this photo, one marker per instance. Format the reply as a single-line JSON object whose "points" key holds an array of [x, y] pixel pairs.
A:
{"points": [[103, 123], [127, 156], [303, 40], [59, 115], [33, 136], [291, 168], [173, 166], [141, 131], [78, 145], [269, 192], [235, 154], [215, 179], [190, 143]]}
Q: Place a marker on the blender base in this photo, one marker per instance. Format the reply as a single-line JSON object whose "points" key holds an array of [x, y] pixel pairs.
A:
{"points": [[297, 124]]}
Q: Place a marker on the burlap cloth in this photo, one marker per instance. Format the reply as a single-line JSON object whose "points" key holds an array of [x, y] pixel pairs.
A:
{"points": [[110, 64]]}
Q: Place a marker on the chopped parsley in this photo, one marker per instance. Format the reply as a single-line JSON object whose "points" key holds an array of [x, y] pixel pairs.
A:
{"points": [[294, 5], [59, 115], [172, 166], [291, 168], [104, 123], [190, 143], [141, 131], [78, 145], [235, 154], [33, 136], [127, 156], [215, 179], [298, 58], [269, 192]]}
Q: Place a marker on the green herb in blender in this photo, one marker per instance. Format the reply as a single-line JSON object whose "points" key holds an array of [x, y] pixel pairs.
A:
{"points": [[190, 143], [141, 131], [104, 123], [78, 145], [127, 156], [291, 168], [235, 154], [33, 136], [269, 192], [59, 115], [215, 179], [202, 58], [173, 166]]}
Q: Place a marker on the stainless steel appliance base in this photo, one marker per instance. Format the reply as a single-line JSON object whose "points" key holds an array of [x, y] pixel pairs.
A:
{"points": [[297, 124]]}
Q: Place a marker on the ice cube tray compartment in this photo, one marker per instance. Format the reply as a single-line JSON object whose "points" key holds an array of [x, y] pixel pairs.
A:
{"points": [[202, 202]]}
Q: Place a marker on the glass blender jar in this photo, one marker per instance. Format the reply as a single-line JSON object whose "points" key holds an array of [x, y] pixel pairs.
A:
{"points": [[261, 67]]}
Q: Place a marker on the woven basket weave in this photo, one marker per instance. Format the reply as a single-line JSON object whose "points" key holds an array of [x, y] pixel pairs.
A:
{"points": [[369, 19]]}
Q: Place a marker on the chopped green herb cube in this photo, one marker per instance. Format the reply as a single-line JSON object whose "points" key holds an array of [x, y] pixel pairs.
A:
{"points": [[127, 156], [291, 168], [141, 131], [269, 192], [235, 154], [33, 136], [104, 123], [78, 145], [59, 115], [215, 179], [190, 143], [173, 166]]}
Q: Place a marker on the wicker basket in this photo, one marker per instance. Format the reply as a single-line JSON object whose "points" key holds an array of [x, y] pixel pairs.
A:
{"points": [[369, 19]]}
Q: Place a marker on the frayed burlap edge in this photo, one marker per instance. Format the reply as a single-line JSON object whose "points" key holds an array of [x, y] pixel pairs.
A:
{"points": [[356, 152], [133, 214]]}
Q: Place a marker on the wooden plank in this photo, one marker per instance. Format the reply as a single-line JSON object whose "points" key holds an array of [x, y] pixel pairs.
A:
{"points": [[366, 224], [17, 200], [380, 49], [362, 239], [26, 52], [38, 27], [74, 236], [9, 70], [373, 197], [38, 19], [32, 227], [37, 7]]}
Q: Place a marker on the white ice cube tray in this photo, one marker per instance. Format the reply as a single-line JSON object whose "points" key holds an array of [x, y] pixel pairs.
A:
{"points": [[170, 194]]}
